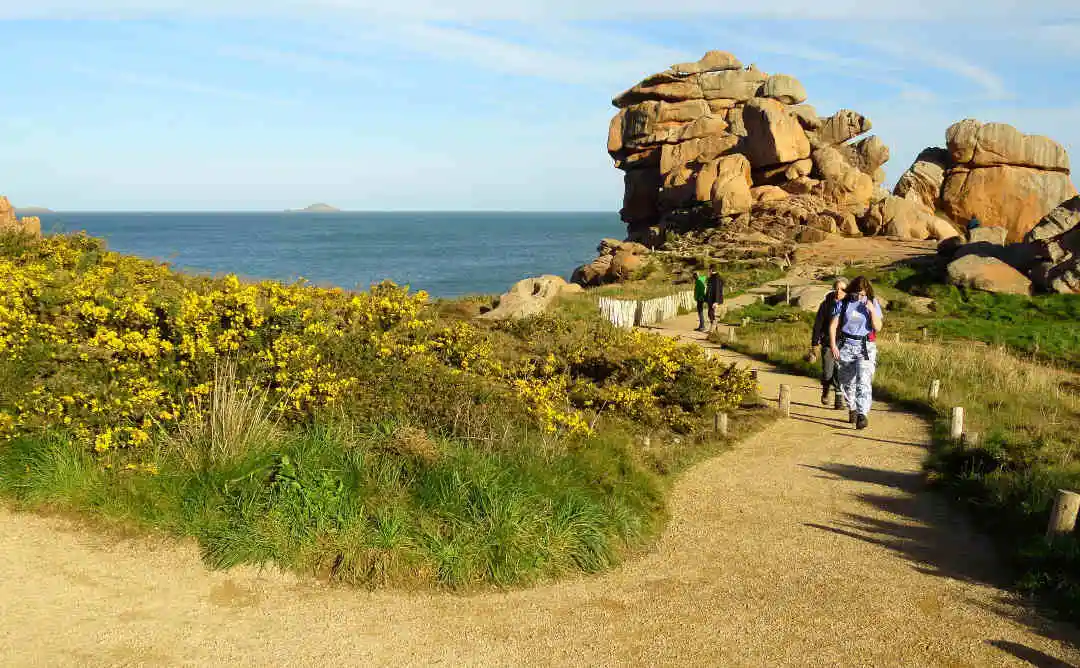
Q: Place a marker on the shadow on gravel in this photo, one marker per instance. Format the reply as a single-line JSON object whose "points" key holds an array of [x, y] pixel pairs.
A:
{"points": [[1032, 656], [936, 538]]}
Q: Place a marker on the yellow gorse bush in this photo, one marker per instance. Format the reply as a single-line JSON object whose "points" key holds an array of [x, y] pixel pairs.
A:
{"points": [[113, 349]]}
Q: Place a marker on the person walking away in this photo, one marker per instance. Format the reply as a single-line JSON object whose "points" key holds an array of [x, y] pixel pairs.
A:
{"points": [[852, 332], [700, 290], [820, 337], [714, 294]]}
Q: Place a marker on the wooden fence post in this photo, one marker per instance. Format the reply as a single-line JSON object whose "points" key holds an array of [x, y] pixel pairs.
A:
{"points": [[785, 400], [1063, 517], [765, 346], [935, 389], [925, 334], [720, 423], [898, 337], [957, 428], [731, 335]]}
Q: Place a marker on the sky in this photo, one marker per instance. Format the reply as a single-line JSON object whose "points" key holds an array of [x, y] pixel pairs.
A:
{"points": [[198, 105]]}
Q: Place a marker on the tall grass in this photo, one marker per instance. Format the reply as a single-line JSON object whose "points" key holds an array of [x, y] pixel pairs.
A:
{"points": [[231, 421]]}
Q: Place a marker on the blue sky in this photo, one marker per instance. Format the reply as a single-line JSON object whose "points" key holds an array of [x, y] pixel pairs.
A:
{"points": [[426, 104]]}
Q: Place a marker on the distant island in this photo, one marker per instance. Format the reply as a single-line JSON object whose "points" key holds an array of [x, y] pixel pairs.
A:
{"points": [[315, 208], [33, 209]]}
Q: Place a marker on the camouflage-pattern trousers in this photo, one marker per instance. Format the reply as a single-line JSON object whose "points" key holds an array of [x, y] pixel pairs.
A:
{"points": [[856, 374]]}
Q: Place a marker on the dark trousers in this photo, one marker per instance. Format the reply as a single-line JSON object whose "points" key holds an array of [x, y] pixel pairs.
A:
{"points": [[701, 314], [829, 370], [712, 313]]}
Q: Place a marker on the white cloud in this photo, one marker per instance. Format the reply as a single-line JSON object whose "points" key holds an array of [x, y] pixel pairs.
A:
{"points": [[530, 10]]}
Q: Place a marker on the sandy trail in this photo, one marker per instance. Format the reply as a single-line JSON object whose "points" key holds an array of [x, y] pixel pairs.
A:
{"points": [[810, 544]]}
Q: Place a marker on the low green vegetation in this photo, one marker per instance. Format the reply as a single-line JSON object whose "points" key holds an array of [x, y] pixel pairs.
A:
{"points": [[1026, 411], [373, 438]]}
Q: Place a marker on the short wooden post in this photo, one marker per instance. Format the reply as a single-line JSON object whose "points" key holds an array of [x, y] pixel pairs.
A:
{"points": [[925, 334], [1063, 517], [720, 423], [957, 428], [746, 321], [765, 347], [785, 399], [898, 337], [731, 335], [787, 294], [935, 389]]}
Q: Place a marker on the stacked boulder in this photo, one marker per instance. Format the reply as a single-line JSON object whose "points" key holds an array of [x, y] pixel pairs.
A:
{"points": [[617, 261], [1055, 242], [9, 222], [732, 139], [993, 172]]}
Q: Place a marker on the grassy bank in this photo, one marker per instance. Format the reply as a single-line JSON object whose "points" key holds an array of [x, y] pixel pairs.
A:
{"points": [[1027, 413], [371, 438]]}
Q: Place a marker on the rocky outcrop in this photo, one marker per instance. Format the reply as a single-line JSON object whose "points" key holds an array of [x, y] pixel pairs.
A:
{"points": [[9, 222], [907, 219], [617, 261], [993, 172], [711, 134], [529, 297], [1056, 245]]}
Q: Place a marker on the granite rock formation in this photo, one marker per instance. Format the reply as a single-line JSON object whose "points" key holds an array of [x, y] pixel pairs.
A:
{"points": [[992, 171], [1056, 247], [9, 222]]}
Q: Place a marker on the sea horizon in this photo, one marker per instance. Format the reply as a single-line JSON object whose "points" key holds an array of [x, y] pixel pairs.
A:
{"points": [[445, 253]]}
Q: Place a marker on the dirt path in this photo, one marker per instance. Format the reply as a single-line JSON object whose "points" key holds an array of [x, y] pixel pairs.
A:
{"points": [[809, 545]]}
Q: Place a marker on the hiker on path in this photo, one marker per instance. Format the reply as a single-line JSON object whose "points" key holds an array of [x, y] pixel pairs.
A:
{"points": [[852, 333], [829, 376], [714, 295], [700, 290]]}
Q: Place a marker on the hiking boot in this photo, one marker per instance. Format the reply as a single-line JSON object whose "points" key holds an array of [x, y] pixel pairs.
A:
{"points": [[839, 402], [825, 397], [861, 422], [851, 415]]}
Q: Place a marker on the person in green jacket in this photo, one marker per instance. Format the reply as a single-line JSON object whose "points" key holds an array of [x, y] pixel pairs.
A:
{"points": [[700, 290]]}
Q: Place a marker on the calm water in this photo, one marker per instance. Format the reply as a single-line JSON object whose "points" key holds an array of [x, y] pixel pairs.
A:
{"points": [[447, 254]]}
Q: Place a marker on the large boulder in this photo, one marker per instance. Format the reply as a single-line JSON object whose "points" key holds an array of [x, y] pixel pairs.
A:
{"points": [[731, 189], [922, 181], [617, 261], [784, 88], [839, 128], [738, 85], [1015, 198], [867, 155], [989, 274], [529, 297], [773, 135], [1056, 244], [906, 219], [989, 144], [712, 61], [843, 185]]}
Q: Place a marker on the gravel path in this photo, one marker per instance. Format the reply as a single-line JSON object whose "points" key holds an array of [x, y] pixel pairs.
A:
{"points": [[808, 545]]}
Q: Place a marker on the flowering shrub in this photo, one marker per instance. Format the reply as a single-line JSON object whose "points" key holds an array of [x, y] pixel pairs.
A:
{"points": [[116, 349]]}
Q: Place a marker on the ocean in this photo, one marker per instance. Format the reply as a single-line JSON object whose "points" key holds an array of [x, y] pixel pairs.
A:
{"points": [[448, 254]]}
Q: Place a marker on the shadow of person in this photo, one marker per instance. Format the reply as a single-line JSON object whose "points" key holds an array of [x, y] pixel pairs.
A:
{"points": [[1032, 656]]}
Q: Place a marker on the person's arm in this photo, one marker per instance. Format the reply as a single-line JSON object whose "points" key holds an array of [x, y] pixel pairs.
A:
{"points": [[876, 318], [833, 324], [818, 335]]}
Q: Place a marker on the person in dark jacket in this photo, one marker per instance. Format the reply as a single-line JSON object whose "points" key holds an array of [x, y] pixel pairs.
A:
{"points": [[714, 294], [829, 376], [700, 289]]}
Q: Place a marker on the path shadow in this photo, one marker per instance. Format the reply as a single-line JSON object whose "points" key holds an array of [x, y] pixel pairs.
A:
{"points": [[1032, 656], [920, 525]]}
